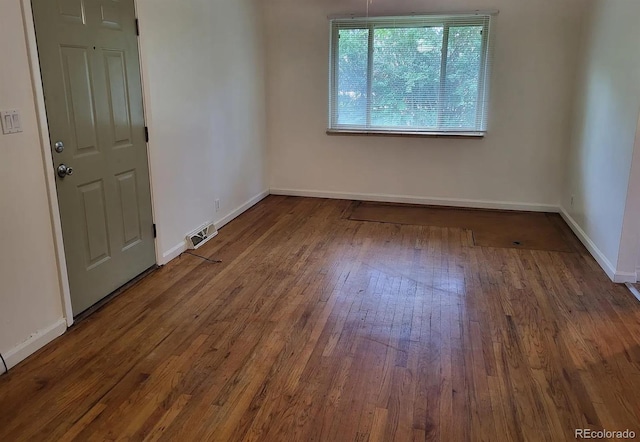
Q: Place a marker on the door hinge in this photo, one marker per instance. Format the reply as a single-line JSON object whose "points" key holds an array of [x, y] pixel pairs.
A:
{"points": [[155, 232], [146, 134], [137, 27]]}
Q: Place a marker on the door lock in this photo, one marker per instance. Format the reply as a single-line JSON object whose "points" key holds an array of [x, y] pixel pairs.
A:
{"points": [[59, 146], [64, 170]]}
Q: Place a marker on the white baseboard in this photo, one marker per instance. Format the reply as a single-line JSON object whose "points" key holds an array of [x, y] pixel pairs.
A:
{"points": [[633, 290], [173, 252], [453, 202], [241, 209], [601, 259], [35, 342], [180, 248], [624, 277]]}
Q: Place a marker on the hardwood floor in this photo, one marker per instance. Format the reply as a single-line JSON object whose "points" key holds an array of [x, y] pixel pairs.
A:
{"points": [[316, 327]]}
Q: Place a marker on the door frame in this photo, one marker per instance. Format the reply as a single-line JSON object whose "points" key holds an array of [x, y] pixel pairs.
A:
{"points": [[47, 163]]}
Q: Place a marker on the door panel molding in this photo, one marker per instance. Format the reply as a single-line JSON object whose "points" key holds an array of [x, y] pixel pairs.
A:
{"points": [[79, 99], [110, 16], [116, 73], [72, 11], [96, 240], [127, 191]]}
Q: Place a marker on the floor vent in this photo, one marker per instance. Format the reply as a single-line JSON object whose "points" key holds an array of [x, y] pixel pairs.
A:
{"points": [[201, 235]]}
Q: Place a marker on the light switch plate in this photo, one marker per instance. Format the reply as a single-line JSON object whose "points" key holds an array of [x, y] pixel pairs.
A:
{"points": [[11, 123]]}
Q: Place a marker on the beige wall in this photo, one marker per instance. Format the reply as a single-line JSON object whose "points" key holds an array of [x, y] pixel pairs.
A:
{"points": [[30, 297], [606, 119], [519, 161], [202, 66]]}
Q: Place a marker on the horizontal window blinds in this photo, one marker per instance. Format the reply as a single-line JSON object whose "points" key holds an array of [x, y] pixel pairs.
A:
{"points": [[410, 74]]}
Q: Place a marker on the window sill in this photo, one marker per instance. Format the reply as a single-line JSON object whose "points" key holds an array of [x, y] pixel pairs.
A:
{"points": [[388, 133]]}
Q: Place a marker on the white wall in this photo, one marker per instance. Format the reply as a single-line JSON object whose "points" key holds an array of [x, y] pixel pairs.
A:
{"points": [[519, 161], [606, 119], [202, 64], [30, 295]]}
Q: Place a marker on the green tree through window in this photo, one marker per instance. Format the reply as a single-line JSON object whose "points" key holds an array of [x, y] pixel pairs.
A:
{"points": [[425, 74]]}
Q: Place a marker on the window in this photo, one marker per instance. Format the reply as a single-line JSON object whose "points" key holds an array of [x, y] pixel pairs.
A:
{"points": [[420, 74]]}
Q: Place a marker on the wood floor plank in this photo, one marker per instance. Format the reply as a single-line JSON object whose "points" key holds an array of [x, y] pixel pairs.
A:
{"points": [[316, 327]]}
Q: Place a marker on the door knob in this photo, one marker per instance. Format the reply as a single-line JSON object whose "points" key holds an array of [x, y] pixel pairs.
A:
{"points": [[59, 146], [64, 170]]}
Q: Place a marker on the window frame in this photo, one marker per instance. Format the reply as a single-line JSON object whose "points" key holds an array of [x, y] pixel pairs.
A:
{"points": [[444, 21]]}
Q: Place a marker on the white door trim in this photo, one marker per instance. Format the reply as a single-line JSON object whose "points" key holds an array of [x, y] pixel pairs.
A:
{"points": [[47, 161], [146, 109]]}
